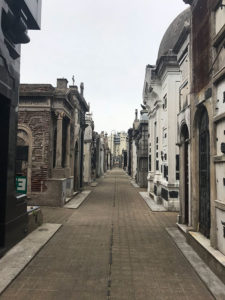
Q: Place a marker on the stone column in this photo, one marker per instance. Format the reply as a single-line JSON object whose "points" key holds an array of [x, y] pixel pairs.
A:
{"points": [[60, 116], [68, 146]]}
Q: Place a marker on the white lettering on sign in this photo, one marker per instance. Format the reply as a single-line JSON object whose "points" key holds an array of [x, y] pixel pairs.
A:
{"points": [[21, 184]]}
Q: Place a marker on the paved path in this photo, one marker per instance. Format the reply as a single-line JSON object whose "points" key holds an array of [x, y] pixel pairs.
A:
{"points": [[112, 247]]}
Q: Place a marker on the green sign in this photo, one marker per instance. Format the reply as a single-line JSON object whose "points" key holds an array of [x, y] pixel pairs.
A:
{"points": [[21, 184]]}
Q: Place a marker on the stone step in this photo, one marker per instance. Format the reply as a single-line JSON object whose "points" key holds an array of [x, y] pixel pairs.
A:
{"points": [[71, 197]]}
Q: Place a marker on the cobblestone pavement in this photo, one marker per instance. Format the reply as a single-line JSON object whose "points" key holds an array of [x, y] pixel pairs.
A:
{"points": [[112, 247]]}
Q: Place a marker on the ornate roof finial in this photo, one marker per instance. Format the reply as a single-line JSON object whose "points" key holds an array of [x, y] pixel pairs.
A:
{"points": [[73, 79], [136, 114], [82, 88]]}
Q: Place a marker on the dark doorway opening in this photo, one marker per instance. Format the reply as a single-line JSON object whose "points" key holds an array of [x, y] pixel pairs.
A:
{"points": [[204, 174], [185, 161], [76, 168], [64, 141], [54, 146], [81, 159]]}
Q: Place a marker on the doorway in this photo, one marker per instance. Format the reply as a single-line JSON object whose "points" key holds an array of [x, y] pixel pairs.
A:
{"points": [[204, 174], [185, 167], [76, 168]]}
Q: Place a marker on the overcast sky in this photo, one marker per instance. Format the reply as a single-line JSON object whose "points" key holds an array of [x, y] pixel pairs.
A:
{"points": [[104, 43]]}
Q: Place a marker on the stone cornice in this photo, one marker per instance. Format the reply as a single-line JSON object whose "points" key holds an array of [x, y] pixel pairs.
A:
{"points": [[183, 36], [219, 38], [219, 76], [165, 62], [219, 118]]}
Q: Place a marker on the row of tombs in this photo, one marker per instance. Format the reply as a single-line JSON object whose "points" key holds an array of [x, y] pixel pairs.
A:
{"points": [[47, 133], [176, 148], [58, 150]]}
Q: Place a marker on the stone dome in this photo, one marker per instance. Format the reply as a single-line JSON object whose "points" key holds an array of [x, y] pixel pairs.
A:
{"points": [[173, 32]]}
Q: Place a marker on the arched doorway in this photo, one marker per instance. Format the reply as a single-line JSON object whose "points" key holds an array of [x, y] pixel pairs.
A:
{"points": [[204, 174], [185, 171]]}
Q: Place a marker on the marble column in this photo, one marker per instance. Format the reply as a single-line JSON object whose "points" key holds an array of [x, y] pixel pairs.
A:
{"points": [[60, 116]]}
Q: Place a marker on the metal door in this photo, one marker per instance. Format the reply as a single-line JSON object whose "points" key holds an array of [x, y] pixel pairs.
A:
{"points": [[185, 138], [204, 175], [186, 181]]}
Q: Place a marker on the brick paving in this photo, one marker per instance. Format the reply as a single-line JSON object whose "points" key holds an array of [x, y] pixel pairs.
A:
{"points": [[112, 247]]}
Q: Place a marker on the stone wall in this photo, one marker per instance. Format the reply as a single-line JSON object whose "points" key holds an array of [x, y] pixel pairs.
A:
{"points": [[39, 124]]}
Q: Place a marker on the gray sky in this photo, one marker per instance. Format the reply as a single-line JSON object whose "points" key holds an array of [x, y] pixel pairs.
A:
{"points": [[104, 43]]}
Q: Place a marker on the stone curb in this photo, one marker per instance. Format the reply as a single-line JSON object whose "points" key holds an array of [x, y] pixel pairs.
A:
{"points": [[17, 258], [213, 283], [151, 203], [77, 200]]}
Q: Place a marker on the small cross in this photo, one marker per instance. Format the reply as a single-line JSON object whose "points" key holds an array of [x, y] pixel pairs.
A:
{"points": [[73, 79]]}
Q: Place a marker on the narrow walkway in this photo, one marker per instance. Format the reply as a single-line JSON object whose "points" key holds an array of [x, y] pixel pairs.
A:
{"points": [[112, 247]]}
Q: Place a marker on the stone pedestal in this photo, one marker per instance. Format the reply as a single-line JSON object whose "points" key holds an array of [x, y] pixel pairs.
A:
{"points": [[54, 196]]}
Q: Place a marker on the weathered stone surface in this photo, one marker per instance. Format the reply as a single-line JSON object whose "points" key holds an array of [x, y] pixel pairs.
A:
{"points": [[49, 126], [174, 30]]}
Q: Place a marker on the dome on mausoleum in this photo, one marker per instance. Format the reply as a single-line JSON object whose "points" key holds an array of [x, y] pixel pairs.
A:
{"points": [[173, 32]]}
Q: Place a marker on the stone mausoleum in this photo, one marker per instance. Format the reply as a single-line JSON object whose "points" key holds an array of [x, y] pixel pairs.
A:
{"points": [[51, 132], [161, 96]]}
